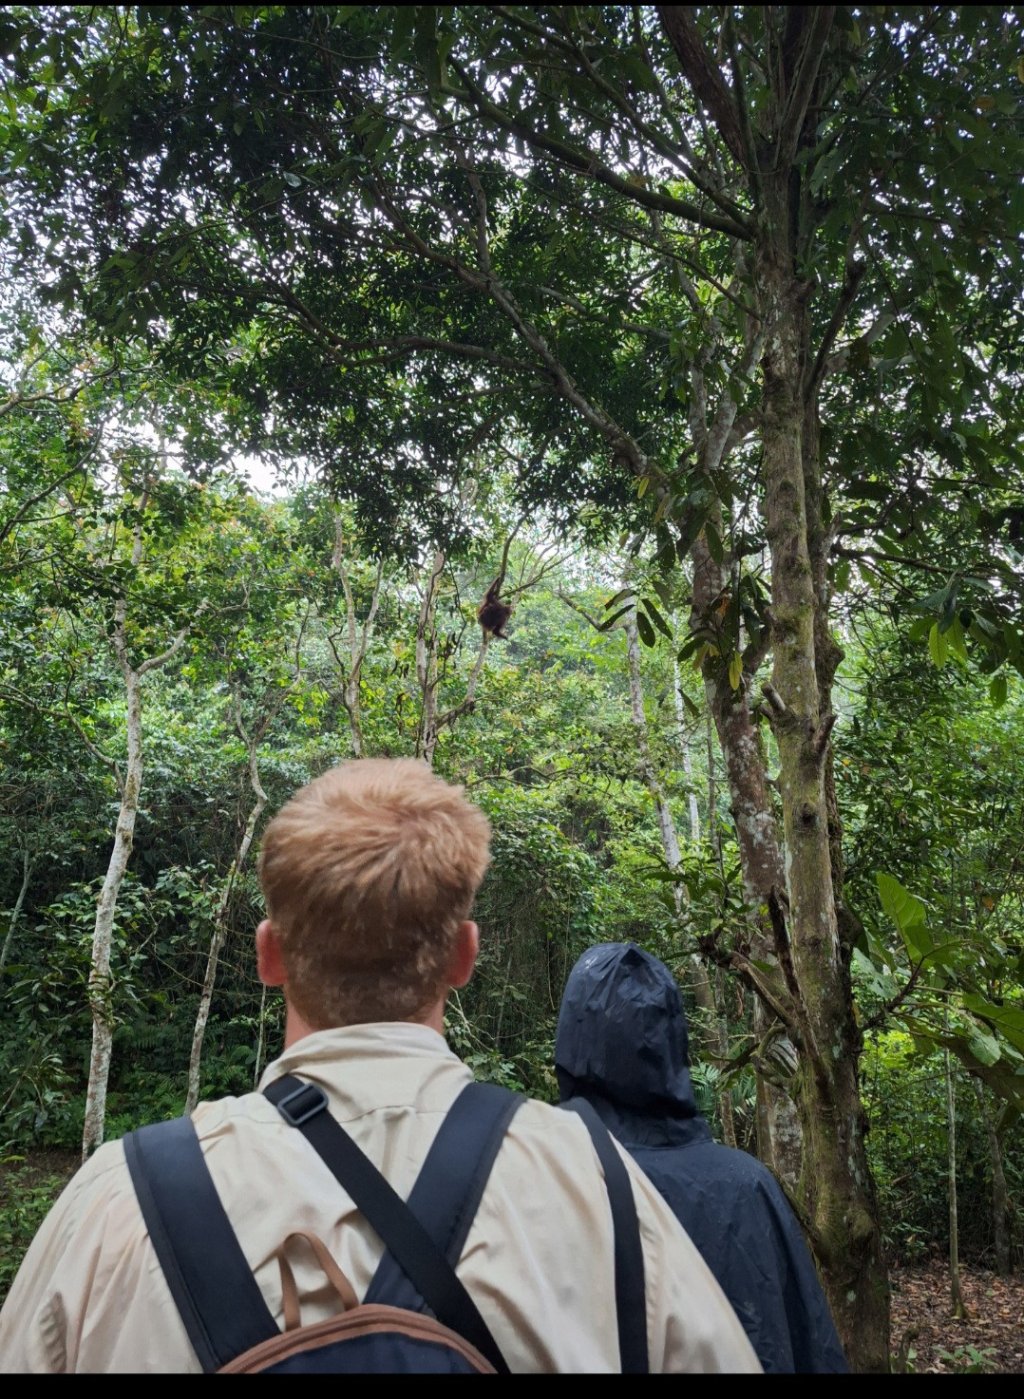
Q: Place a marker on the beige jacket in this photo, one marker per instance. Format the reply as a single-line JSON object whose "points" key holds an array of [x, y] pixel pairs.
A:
{"points": [[90, 1295]]}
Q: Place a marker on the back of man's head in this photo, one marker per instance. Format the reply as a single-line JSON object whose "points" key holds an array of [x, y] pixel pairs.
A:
{"points": [[368, 873]]}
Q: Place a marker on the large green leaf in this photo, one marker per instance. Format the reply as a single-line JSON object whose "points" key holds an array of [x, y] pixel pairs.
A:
{"points": [[903, 908], [1008, 1019], [984, 1046], [938, 646], [907, 913]]}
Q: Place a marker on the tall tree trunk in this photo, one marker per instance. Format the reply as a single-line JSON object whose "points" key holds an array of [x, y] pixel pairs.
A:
{"points": [[778, 1124], [357, 645], [26, 875], [684, 747], [1000, 1194], [260, 1039], [99, 976], [220, 930], [426, 662], [771, 147], [124, 835], [719, 987], [836, 1192], [956, 1299], [713, 832], [725, 1110], [666, 822]]}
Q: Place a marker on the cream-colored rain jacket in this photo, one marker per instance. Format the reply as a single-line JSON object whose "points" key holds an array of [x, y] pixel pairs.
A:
{"points": [[90, 1295]]}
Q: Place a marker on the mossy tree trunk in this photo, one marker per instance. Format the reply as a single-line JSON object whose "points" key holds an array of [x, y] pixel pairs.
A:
{"points": [[778, 1125], [836, 1194]]}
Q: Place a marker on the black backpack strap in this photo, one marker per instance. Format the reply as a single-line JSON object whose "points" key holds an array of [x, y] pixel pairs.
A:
{"points": [[451, 1182], [630, 1289], [303, 1105], [212, 1284]]}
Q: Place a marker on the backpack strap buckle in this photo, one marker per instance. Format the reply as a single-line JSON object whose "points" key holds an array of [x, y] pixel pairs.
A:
{"points": [[302, 1103]]}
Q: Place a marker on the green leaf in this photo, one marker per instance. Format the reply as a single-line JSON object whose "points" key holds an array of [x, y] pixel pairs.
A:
{"points": [[933, 603], [984, 1046], [903, 908], [735, 670], [664, 592], [1009, 1020], [1002, 1077], [619, 597], [292, 179], [405, 16], [645, 629], [955, 640], [638, 73], [657, 618], [907, 912], [689, 705], [610, 621], [938, 646], [997, 690]]}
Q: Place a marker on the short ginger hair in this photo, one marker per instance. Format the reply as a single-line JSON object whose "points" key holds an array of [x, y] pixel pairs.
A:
{"points": [[368, 871]]}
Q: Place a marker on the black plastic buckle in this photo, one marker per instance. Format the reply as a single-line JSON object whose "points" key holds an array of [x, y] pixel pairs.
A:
{"points": [[295, 1116]]}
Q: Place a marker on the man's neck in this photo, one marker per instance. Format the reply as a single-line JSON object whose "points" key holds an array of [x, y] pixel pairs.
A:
{"points": [[296, 1028]]}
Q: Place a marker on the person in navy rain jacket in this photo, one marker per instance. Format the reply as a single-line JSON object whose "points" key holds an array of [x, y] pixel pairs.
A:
{"points": [[622, 1043]]}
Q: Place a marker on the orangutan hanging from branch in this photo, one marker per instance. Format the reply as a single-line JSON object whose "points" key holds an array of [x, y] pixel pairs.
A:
{"points": [[492, 614]]}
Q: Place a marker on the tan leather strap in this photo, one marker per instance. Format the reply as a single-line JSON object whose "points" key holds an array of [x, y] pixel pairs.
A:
{"points": [[289, 1289]]}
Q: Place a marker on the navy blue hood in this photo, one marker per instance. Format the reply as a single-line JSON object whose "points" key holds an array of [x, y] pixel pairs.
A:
{"points": [[622, 1042]]}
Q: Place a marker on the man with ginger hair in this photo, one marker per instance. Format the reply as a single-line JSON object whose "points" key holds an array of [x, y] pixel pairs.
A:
{"points": [[369, 874]]}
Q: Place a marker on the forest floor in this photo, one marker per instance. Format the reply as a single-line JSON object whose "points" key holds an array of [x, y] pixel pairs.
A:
{"points": [[989, 1341]]}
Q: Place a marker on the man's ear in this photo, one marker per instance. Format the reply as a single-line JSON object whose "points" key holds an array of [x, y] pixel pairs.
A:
{"points": [[269, 962], [467, 949]]}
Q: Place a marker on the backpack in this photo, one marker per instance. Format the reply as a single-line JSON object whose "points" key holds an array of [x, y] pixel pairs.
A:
{"points": [[416, 1316]]}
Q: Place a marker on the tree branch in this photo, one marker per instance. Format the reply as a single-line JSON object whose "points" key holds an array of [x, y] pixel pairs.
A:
{"points": [[22, 511], [582, 612], [21, 400], [896, 1001], [820, 740], [651, 133], [742, 108], [588, 163], [855, 270], [680, 26], [737, 961], [12, 694], [155, 662], [812, 51], [776, 701]]}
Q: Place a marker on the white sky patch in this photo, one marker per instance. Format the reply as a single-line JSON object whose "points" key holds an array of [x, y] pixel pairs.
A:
{"points": [[261, 476]]}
